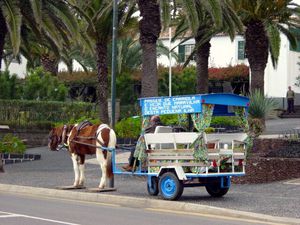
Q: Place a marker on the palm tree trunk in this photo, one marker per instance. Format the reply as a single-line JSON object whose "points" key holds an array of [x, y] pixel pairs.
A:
{"points": [[202, 55], [3, 32], [102, 73], [49, 64], [150, 27], [257, 52], [149, 71]]}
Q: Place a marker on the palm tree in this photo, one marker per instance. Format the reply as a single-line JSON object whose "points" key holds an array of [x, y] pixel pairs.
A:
{"points": [[51, 22], [150, 27], [98, 15], [204, 19], [264, 20]]}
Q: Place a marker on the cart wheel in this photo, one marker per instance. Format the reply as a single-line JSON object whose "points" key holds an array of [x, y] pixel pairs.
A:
{"points": [[170, 187], [215, 190], [152, 187]]}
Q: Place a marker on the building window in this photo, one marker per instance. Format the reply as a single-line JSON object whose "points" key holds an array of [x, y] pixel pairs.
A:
{"points": [[185, 51], [296, 33], [241, 50]]}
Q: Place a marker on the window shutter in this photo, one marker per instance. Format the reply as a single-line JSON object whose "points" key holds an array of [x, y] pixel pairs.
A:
{"points": [[241, 50], [181, 53]]}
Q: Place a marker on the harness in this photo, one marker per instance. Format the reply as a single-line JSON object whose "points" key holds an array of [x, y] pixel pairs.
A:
{"points": [[85, 124]]}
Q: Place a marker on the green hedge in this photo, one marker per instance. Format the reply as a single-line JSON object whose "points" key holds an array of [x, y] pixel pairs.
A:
{"points": [[43, 114]]}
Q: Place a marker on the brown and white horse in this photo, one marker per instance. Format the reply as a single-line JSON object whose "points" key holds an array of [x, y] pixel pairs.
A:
{"points": [[82, 140]]}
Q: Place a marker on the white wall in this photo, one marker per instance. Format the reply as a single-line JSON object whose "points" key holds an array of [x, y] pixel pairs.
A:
{"points": [[16, 68], [223, 51], [20, 69]]}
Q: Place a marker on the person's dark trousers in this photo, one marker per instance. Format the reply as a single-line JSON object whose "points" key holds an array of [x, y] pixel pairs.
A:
{"points": [[131, 158], [291, 105]]}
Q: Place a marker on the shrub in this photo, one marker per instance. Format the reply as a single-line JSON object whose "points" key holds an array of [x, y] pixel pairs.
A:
{"points": [[225, 121], [23, 113], [40, 85], [129, 127], [260, 106], [12, 144]]}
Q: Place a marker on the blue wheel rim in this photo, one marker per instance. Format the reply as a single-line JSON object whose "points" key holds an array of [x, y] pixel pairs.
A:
{"points": [[168, 187]]}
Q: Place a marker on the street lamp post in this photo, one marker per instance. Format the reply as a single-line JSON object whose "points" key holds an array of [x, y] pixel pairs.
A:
{"points": [[113, 72], [114, 63]]}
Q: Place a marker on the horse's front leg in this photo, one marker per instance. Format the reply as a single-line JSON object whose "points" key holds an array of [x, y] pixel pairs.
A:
{"points": [[103, 165], [81, 170], [76, 169]]}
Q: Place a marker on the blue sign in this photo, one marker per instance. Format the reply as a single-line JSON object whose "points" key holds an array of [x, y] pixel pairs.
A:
{"points": [[171, 105]]}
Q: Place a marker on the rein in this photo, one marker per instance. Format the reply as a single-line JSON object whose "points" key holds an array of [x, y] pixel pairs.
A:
{"points": [[95, 146]]}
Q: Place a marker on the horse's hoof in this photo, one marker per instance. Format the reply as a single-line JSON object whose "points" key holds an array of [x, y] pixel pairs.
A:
{"points": [[79, 186]]}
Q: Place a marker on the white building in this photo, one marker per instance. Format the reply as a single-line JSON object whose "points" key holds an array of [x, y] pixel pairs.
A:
{"points": [[225, 52]]}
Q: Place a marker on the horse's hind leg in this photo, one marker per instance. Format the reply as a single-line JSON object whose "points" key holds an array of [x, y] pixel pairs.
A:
{"points": [[76, 169], [102, 162]]}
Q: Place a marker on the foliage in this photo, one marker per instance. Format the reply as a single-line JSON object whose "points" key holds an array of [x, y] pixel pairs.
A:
{"points": [[256, 127], [26, 113], [129, 127], [261, 106], [184, 80], [225, 121], [78, 77], [12, 144], [230, 73], [9, 88], [40, 85]]}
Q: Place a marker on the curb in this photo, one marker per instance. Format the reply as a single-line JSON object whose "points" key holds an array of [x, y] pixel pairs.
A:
{"points": [[145, 203]]}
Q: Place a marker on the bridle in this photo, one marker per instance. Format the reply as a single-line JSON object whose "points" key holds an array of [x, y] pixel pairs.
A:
{"points": [[61, 139]]}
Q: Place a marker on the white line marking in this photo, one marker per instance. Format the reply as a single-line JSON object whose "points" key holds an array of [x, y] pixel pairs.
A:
{"points": [[39, 218], [7, 216]]}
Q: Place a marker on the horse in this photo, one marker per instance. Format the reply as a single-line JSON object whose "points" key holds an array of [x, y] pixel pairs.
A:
{"points": [[82, 139]]}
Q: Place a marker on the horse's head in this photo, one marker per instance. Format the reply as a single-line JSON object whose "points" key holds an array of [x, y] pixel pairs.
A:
{"points": [[58, 137]]}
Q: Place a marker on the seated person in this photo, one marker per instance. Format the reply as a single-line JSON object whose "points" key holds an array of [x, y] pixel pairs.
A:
{"points": [[154, 122]]}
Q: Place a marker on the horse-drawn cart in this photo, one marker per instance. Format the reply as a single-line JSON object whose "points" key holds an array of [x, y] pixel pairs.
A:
{"points": [[174, 160]]}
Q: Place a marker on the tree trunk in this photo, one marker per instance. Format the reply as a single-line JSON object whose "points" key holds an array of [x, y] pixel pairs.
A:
{"points": [[49, 64], [257, 52], [149, 71], [102, 73], [3, 32], [202, 55], [150, 27]]}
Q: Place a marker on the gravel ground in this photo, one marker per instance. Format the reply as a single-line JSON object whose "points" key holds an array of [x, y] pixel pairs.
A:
{"points": [[55, 169]]}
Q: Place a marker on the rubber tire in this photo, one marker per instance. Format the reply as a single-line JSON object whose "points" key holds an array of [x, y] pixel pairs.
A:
{"points": [[153, 188], [215, 190], [170, 187]]}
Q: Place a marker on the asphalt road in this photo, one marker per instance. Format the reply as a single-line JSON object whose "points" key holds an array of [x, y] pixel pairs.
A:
{"points": [[55, 169], [32, 210]]}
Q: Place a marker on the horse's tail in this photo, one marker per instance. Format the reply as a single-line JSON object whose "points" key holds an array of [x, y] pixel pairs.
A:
{"points": [[111, 144]]}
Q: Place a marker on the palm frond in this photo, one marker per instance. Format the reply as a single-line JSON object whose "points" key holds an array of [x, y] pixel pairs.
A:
{"points": [[36, 6], [13, 18], [274, 43]]}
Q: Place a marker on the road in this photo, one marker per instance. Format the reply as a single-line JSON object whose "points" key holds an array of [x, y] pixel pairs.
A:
{"points": [[33, 210]]}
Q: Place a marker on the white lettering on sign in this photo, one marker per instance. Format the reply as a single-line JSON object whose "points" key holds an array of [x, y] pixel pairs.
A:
{"points": [[172, 105]]}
